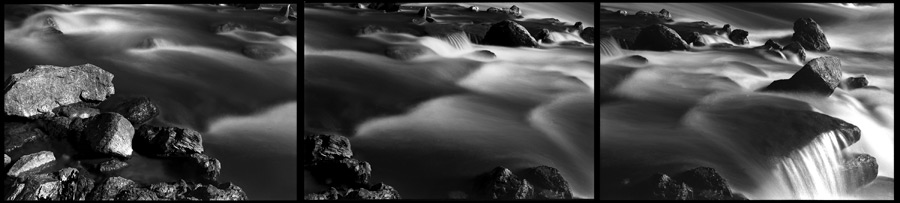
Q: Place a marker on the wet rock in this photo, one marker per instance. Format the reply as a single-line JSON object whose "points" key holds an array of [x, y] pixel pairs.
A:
{"points": [[548, 183], [371, 29], [483, 54], [6, 160], [662, 187], [796, 49], [509, 33], [136, 109], [76, 186], [633, 60], [376, 191], [32, 163], [501, 183], [42, 88], [643, 14], [859, 169], [543, 36], [228, 27], [706, 183], [658, 37], [225, 191], [77, 110], [406, 52], [111, 166], [622, 13], [514, 10], [67, 174], [739, 37], [578, 26], [664, 14], [108, 189], [855, 82], [386, 6], [345, 171], [819, 76], [588, 34], [137, 194], [156, 141], [808, 33], [109, 134], [494, 10], [319, 147], [727, 29], [261, 52], [35, 187], [771, 45], [23, 138], [423, 12], [691, 38], [201, 167]]}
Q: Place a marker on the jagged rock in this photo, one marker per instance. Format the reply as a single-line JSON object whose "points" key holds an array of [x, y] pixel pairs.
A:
{"points": [[51, 27], [110, 187], [156, 141], [76, 186], [42, 88], [35, 187], [808, 34], [727, 29], [658, 37], [262, 52], [622, 13], [739, 37], [137, 109], [543, 36], [662, 187], [706, 183], [375, 191], [664, 14], [643, 14], [514, 10], [819, 76], [859, 169], [109, 134], [578, 26], [201, 167], [796, 49], [319, 147], [67, 174], [111, 165], [548, 183], [225, 191], [588, 34], [344, 171], [855, 82], [501, 183], [77, 110], [771, 45], [509, 33], [32, 163]]}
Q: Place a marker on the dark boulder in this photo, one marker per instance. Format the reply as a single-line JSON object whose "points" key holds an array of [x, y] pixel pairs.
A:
{"points": [[223, 192], [662, 187], [819, 76], [32, 164], [739, 37], [578, 26], [262, 52], [548, 183], [727, 29], [320, 147], [509, 33], [108, 134], [796, 49], [42, 88], [494, 10], [588, 34], [664, 14], [78, 110], [622, 13], [543, 36], [136, 109], [855, 82], [338, 172], [501, 183], [156, 141], [406, 52], [706, 183], [111, 166], [771, 45], [75, 186], [107, 189], [808, 33], [423, 12], [514, 10], [483, 54], [691, 38], [200, 167], [643, 14], [631, 61], [386, 6], [859, 169], [52, 27], [658, 37]]}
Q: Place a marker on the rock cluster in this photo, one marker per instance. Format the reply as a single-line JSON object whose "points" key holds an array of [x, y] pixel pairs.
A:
{"points": [[702, 183], [541, 182], [330, 160], [73, 108]]}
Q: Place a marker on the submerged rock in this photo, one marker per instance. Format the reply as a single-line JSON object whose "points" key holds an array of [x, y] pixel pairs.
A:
{"points": [[262, 52], [136, 109], [42, 88], [808, 33], [229, 26], [855, 82], [548, 183], [501, 183], [167, 141], [406, 52], [658, 37], [111, 165], [819, 76], [109, 134], [32, 163], [739, 37], [494, 10], [372, 29], [796, 49], [588, 34], [859, 169], [509, 33]]}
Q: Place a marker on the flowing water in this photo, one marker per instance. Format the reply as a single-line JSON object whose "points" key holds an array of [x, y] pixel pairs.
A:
{"points": [[688, 109], [245, 108], [524, 108]]}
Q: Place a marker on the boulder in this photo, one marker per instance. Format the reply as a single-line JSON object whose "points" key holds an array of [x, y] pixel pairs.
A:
{"points": [[739, 37], [819, 76], [167, 141], [406, 52], [109, 188], [706, 183], [51, 28], [338, 172], [320, 147], [855, 82], [6, 160], [664, 14], [859, 170], [386, 6], [578, 26], [548, 183], [501, 183], [423, 12], [473, 8], [809, 35], [631, 61], [42, 88], [261, 52], [658, 37], [76, 186], [109, 134], [136, 109], [78, 110], [514, 10], [67, 174], [691, 38], [771, 45], [111, 166], [35, 187], [588, 34], [796, 49], [622, 13], [63, 128], [32, 163], [494, 10], [200, 167], [543, 36], [509, 33], [222, 192], [662, 187], [24, 138]]}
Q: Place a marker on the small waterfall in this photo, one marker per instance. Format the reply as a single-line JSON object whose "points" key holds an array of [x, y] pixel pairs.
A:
{"points": [[814, 171], [459, 40], [609, 47]]}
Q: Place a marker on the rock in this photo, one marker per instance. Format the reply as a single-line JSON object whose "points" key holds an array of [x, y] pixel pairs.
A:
{"points": [[659, 38], [24, 138], [662, 187], [225, 191], [42, 88], [855, 82], [386, 6], [358, 5], [578, 26], [721, 45], [588, 34], [771, 45], [859, 170], [262, 52], [727, 29], [319, 147], [67, 174], [706, 184], [501, 183], [543, 36], [664, 14], [473, 8], [808, 33], [643, 14], [376, 191], [429, 19], [110, 187], [136, 109], [691, 38], [6, 160], [77, 110], [549, 183], [509, 33], [35, 187], [819, 76], [796, 49], [32, 163], [51, 27], [76, 186], [483, 54], [371, 29], [344, 171], [137, 194], [229, 26], [111, 165], [109, 134], [155, 141], [494, 10], [739, 37], [515, 10], [622, 13], [406, 52], [631, 61], [201, 167], [423, 12]]}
